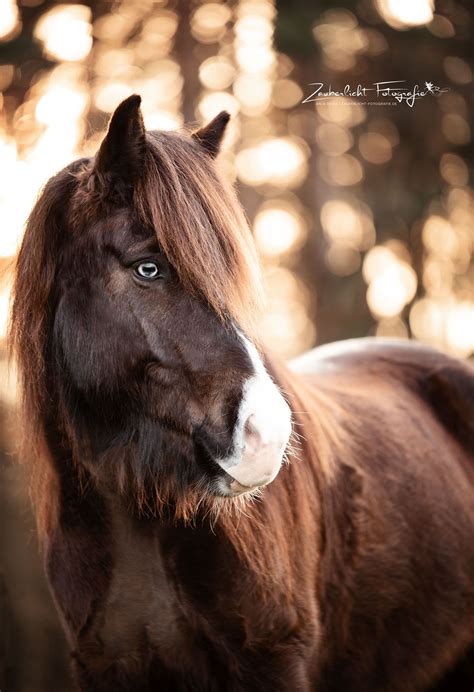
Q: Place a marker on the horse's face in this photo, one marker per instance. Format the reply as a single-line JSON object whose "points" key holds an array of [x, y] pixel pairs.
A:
{"points": [[151, 358]]}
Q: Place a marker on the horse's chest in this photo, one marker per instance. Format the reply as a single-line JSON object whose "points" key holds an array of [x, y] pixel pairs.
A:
{"points": [[141, 616]]}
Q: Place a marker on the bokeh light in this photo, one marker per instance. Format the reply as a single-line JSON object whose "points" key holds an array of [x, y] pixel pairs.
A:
{"points": [[392, 282], [403, 14], [9, 20], [66, 32], [279, 229], [280, 161], [311, 175]]}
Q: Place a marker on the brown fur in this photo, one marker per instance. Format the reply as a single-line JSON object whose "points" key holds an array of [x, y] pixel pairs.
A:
{"points": [[353, 570]]}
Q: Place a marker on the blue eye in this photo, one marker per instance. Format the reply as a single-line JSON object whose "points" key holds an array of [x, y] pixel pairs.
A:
{"points": [[147, 270]]}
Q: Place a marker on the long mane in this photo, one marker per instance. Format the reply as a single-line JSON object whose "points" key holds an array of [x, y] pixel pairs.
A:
{"points": [[202, 230], [200, 227], [31, 321]]}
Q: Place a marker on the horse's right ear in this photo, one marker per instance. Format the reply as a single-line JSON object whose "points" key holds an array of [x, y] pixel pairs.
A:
{"points": [[210, 136], [122, 151]]}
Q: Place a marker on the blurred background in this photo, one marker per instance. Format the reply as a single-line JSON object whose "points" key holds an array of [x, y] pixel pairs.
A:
{"points": [[361, 207]]}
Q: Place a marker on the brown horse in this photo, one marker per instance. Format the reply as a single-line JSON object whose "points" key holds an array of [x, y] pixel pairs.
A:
{"points": [[155, 426]]}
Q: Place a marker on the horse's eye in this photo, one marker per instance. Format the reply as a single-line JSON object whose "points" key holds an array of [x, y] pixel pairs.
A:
{"points": [[147, 270]]}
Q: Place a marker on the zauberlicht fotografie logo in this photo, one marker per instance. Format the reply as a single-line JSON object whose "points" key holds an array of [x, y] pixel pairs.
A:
{"points": [[392, 92]]}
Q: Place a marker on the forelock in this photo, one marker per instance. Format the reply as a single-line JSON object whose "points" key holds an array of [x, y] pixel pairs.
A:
{"points": [[200, 225]]}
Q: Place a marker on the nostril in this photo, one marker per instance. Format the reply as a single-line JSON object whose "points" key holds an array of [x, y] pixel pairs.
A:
{"points": [[250, 425], [253, 438]]}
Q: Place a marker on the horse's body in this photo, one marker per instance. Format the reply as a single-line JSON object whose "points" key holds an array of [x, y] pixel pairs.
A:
{"points": [[377, 588], [353, 570]]}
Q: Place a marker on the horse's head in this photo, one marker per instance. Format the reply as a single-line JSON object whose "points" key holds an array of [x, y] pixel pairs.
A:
{"points": [[138, 269]]}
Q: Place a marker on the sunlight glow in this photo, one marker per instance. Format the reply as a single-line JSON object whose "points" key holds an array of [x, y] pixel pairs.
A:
{"points": [[209, 21], [403, 14], [348, 222], [392, 282], [9, 19], [55, 116], [216, 101], [272, 164], [240, 70], [279, 229], [66, 32], [460, 328], [217, 73], [254, 93], [286, 324], [439, 237], [445, 323], [109, 95], [279, 161], [60, 105], [456, 129]]}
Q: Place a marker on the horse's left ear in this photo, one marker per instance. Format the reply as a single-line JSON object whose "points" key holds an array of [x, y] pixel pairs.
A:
{"points": [[122, 151], [210, 136]]}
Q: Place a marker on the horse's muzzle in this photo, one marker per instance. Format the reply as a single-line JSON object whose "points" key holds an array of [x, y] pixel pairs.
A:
{"points": [[261, 436]]}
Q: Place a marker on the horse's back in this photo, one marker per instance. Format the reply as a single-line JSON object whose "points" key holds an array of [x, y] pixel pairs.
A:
{"points": [[444, 383], [374, 351]]}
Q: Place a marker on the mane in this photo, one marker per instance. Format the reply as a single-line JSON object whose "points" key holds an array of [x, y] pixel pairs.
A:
{"points": [[200, 227], [30, 327], [202, 230]]}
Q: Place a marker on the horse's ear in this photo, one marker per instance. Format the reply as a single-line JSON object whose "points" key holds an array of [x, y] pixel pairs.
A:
{"points": [[210, 136], [122, 151]]}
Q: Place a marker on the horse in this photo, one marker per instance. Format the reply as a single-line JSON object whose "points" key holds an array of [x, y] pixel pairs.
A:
{"points": [[211, 518]]}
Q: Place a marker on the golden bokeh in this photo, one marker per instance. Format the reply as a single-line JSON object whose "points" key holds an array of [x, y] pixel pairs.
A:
{"points": [[279, 228], [403, 14], [66, 32], [391, 280], [10, 24], [303, 170]]}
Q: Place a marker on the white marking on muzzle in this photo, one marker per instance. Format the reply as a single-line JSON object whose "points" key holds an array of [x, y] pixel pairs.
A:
{"points": [[261, 433]]}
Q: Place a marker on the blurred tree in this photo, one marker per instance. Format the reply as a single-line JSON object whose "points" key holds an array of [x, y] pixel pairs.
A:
{"points": [[399, 191]]}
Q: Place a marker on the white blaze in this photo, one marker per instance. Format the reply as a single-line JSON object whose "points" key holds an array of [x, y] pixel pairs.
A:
{"points": [[261, 433]]}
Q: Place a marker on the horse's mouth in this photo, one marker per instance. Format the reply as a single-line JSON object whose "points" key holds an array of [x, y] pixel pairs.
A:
{"points": [[224, 484], [239, 489], [228, 487]]}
